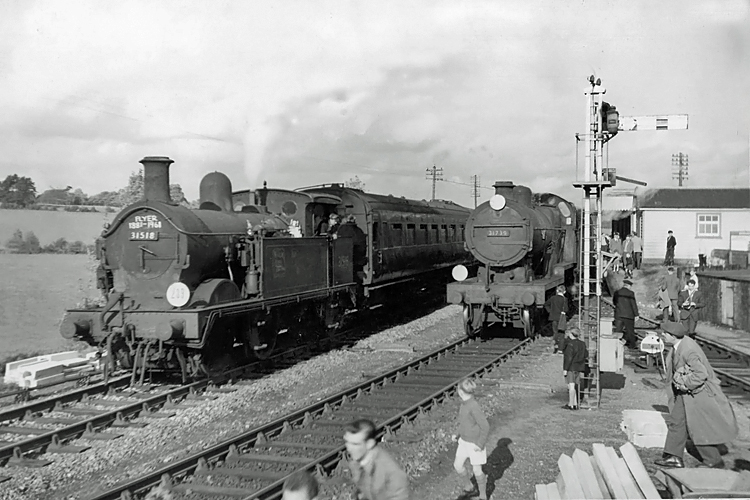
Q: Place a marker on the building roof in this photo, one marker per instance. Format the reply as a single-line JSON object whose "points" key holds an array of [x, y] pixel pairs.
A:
{"points": [[693, 198]]}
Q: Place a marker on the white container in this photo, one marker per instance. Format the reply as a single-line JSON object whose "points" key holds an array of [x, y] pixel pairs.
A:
{"points": [[645, 428]]}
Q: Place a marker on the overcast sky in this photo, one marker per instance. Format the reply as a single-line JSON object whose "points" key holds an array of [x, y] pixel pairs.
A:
{"points": [[300, 92]]}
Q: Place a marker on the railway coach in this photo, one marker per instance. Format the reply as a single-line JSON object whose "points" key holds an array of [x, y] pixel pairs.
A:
{"points": [[186, 287], [527, 245]]}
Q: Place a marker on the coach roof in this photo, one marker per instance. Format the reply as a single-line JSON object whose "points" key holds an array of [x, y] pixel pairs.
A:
{"points": [[693, 198]]}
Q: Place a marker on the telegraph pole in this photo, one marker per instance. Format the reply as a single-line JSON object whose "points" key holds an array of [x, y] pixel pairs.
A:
{"points": [[436, 174], [680, 167], [475, 188]]}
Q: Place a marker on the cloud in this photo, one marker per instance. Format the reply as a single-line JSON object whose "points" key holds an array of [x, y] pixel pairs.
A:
{"points": [[308, 92]]}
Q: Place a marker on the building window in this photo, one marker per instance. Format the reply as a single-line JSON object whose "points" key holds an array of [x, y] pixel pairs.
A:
{"points": [[709, 225]]}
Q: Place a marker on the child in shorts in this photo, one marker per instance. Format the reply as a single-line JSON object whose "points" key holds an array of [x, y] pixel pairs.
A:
{"points": [[575, 355], [473, 432]]}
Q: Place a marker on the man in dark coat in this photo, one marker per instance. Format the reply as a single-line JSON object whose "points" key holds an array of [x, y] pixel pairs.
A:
{"points": [[557, 308], [350, 229], [626, 312], [671, 243], [698, 409], [690, 303]]}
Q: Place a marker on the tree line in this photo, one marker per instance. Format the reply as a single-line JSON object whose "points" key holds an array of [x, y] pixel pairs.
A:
{"points": [[29, 244], [20, 192]]}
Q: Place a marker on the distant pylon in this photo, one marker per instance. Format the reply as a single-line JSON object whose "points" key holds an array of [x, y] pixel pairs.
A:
{"points": [[436, 174], [680, 167]]}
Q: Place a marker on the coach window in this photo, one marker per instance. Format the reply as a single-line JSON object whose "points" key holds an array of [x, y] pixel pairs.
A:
{"points": [[443, 233], [709, 226], [434, 234], [375, 235], [463, 233], [397, 235], [411, 233], [385, 236], [452, 233], [422, 235]]}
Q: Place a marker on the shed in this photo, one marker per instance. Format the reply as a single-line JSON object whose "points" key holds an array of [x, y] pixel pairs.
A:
{"points": [[711, 221]]}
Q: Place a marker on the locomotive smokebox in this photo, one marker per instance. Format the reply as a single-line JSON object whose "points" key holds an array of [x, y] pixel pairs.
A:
{"points": [[216, 192], [156, 178], [519, 194]]}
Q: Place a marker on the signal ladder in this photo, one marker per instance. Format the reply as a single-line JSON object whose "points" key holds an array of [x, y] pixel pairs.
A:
{"points": [[590, 287]]}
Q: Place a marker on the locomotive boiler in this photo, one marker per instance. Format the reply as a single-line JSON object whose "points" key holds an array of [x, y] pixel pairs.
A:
{"points": [[527, 245], [185, 288]]}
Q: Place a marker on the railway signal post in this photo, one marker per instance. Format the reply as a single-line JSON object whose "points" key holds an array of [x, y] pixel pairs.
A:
{"points": [[603, 122], [601, 125]]}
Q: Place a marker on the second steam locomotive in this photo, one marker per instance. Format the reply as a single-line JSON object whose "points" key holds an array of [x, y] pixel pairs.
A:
{"points": [[527, 245], [186, 287]]}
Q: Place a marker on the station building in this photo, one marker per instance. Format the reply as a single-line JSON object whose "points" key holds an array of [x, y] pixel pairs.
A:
{"points": [[712, 221]]}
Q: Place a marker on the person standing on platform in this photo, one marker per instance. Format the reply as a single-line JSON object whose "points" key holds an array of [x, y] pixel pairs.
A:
{"points": [[557, 312], [575, 355], [627, 254], [375, 472], [671, 243], [626, 312], [698, 409], [473, 432], [637, 250], [671, 284], [615, 247], [690, 304]]}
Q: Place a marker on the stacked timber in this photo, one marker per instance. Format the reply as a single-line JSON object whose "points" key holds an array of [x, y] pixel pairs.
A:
{"points": [[602, 474]]}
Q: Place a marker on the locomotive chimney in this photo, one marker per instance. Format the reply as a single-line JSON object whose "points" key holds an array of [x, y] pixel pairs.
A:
{"points": [[156, 178], [519, 194]]}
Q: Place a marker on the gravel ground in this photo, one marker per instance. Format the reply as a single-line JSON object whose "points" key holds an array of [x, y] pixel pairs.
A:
{"points": [[529, 431], [200, 426]]}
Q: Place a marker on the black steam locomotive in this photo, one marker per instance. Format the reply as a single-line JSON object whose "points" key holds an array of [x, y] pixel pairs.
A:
{"points": [[185, 287], [527, 245]]}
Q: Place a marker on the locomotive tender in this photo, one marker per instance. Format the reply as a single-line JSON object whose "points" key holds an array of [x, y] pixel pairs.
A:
{"points": [[183, 287], [527, 245]]}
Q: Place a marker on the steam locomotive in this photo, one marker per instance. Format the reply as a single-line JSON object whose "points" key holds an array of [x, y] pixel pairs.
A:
{"points": [[186, 287], [527, 245]]}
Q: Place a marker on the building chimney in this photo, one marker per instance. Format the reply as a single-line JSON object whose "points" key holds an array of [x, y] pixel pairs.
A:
{"points": [[156, 178]]}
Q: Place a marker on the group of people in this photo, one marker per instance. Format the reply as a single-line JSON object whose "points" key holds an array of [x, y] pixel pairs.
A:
{"points": [[378, 476], [698, 409], [681, 303], [630, 251]]}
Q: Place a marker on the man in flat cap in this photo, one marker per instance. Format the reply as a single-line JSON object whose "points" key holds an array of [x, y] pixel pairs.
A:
{"points": [[698, 409], [626, 312]]}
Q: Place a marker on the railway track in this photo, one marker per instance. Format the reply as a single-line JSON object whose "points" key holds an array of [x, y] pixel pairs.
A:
{"points": [[253, 465], [85, 412], [50, 424], [730, 365]]}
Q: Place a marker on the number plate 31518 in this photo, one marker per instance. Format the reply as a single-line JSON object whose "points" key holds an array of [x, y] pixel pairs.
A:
{"points": [[144, 235]]}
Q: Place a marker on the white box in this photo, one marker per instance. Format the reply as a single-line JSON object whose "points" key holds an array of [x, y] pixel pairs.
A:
{"points": [[611, 355], [645, 428]]}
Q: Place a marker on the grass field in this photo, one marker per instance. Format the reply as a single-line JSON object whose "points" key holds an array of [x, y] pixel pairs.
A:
{"points": [[34, 292], [49, 226]]}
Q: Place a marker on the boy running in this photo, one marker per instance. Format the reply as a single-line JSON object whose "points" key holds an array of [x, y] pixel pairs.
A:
{"points": [[473, 432]]}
